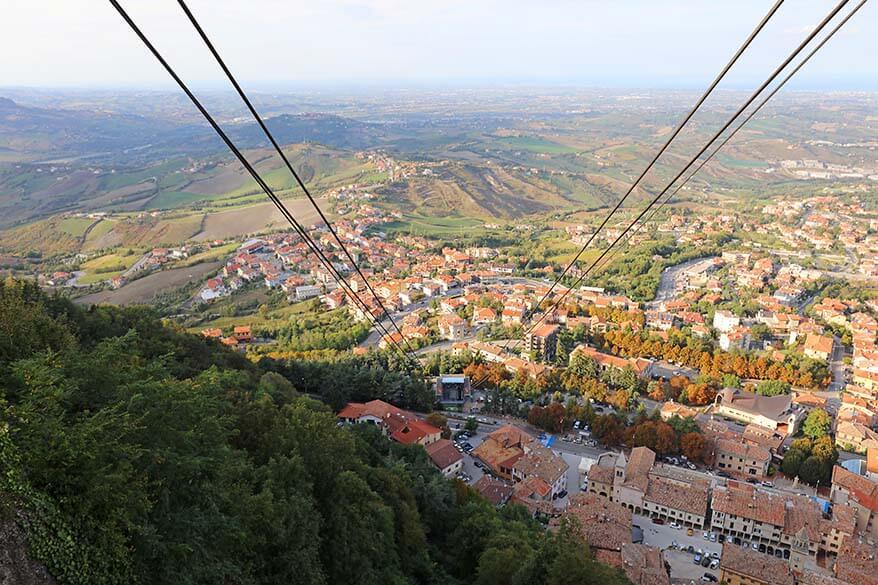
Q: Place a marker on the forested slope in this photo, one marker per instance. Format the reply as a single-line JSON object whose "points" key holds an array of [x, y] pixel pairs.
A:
{"points": [[134, 453]]}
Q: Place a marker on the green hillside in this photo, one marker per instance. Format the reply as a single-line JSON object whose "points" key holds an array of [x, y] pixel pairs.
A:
{"points": [[187, 464]]}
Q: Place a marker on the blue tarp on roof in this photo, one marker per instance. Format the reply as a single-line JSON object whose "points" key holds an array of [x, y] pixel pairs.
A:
{"points": [[824, 504], [549, 441]]}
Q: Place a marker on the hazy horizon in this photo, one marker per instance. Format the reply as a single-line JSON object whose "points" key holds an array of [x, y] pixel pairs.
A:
{"points": [[274, 46]]}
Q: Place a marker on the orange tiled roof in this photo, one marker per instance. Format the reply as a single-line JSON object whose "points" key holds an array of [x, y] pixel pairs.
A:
{"points": [[443, 453], [760, 567]]}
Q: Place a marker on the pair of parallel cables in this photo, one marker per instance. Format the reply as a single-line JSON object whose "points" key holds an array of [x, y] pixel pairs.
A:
{"points": [[630, 230], [412, 363]]}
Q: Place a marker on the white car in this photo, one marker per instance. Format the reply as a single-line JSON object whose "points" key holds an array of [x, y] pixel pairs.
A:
{"points": [[675, 526]]}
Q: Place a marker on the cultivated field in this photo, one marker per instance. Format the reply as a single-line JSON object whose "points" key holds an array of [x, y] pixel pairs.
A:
{"points": [[220, 225], [145, 289]]}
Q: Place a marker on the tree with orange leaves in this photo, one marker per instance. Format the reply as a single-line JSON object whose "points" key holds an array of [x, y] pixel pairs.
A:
{"points": [[694, 446]]}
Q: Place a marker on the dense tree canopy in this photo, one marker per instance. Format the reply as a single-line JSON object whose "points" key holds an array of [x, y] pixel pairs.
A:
{"points": [[141, 454]]}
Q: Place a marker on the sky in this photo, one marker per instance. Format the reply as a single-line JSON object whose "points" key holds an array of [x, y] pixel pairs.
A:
{"points": [[400, 43]]}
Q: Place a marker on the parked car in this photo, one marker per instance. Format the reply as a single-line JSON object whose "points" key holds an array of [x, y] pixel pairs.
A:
{"points": [[478, 464], [767, 484], [755, 546], [705, 561], [708, 578], [697, 559], [675, 525], [691, 466], [715, 555], [712, 537], [674, 544], [714, 563], [658, 521], [705, 536], [690, 532]]}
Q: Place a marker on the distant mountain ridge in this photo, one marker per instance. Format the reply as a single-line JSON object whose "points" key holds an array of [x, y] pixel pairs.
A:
{"points": [[33, 134]]}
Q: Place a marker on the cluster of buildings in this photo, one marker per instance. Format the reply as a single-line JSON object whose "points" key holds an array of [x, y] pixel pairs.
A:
{"points": [[815, 169], [241, 334], [769, 536], [538, 476], [824, 223]]}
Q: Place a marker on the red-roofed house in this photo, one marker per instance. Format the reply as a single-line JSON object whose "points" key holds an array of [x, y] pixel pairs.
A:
{"points": [[400, 425], [445, 457], [819, 347]]}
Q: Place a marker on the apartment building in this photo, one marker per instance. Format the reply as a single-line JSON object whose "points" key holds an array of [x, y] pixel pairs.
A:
{"points": [[861, 494], [638, 484], [543, 341], [780, 521], [742, 459]]}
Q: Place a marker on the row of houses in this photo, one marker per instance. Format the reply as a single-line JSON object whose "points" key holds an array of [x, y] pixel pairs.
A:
{"points": [[789, 530]]}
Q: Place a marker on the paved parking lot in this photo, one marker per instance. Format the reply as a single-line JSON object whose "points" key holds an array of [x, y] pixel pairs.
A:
{"points": [[681, 563], [475, 472]]}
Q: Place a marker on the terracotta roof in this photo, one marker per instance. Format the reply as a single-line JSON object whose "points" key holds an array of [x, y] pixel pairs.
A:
{"points": [[494, 490], [533, 493], [408, 430], [691, 498], [605, 525], [819, 343], [765, 437], [872, 460], [545, 330], [743, 501], [601, 474], [758, 566], [510, 435], [862, 490], [639, 365], [443, 453], [640, 462], [857, 562], [742, 450], [802, 513], [809, 399], [541, 462], [672, 408], [503, 447], [811, 578], [376, 408], [608, 557], [644, 565]]}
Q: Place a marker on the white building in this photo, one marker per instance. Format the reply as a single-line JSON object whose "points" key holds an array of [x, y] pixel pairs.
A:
{"points": [[725, 321]]}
